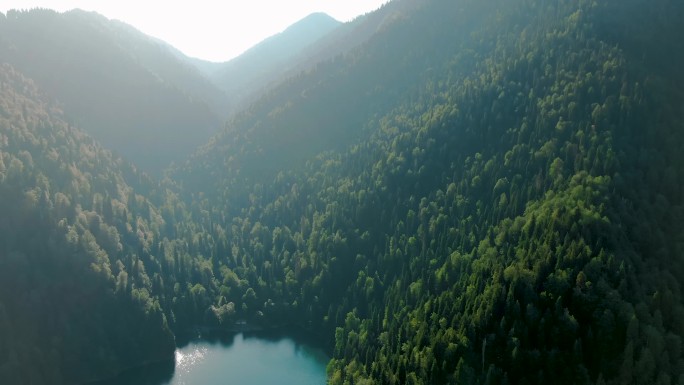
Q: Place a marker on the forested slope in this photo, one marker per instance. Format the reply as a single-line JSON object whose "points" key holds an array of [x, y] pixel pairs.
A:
{"points": [[303, 45], [114, 82], [483, 192], [75, 299], [245, 77], [511, 215]]}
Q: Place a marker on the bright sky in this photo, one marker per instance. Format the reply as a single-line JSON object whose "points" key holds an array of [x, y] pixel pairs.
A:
{"points": [[208, 29]]}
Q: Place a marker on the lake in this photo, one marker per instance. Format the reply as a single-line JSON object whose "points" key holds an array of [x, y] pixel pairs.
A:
{"points": [[237, 359]]}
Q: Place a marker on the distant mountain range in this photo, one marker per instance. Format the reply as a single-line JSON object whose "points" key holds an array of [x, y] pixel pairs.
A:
{"points": [[115, 82], [312, 40], [118, 83], [442, 192], [247, 75]]}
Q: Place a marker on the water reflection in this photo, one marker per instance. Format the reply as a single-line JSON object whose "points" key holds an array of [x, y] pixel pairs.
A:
{"points": [[236, 358], [154, 374], [185, 361], [224, 338]]}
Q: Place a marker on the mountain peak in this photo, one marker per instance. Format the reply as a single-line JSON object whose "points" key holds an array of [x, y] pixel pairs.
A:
{"points": [[318, 24], [316, 19], [267, 60]]}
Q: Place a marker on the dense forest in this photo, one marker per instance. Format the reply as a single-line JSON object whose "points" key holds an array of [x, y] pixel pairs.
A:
{"points": [[73, 228], [482, 192]]}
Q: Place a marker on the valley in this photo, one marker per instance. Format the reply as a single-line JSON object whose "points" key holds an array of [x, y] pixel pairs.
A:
{"points": [[462, 192]]}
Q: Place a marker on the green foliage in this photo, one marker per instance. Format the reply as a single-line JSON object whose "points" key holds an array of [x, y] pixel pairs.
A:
{"points": [[74, 294], [482, 193], [485, 226]]}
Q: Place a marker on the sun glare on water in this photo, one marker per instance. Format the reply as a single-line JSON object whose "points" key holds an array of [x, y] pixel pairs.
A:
{"points": [[185, 361]]}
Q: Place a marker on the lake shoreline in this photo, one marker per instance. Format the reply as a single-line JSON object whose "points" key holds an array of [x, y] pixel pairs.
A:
{"points": [[204, 332], [212, 334], [120, 372]]}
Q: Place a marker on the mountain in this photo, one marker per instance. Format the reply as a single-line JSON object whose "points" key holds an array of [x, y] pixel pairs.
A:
{"points": [[161, 59], [316, 38], [114, 82], [75, 302], [493, 186], [478, 192], [328, 107], [269, 60], [353, 34]]}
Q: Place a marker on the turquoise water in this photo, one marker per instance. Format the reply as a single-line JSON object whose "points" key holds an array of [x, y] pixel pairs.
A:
{"points": [[242, 359]]}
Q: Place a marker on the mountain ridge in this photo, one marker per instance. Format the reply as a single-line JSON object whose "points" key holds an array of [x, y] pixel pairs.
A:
{"points": [[246, 75], [478, 192], [95, 67]]}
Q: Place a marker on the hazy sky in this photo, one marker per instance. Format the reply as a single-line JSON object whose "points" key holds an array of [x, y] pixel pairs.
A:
{"points": [[208, 29]]}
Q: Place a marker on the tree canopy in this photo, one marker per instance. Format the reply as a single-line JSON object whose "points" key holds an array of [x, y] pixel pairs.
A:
{"points": [[482, 192]]}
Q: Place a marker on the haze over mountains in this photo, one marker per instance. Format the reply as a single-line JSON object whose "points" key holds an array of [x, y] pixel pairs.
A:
{"points": [[171, 103], [447, 192], [153, 92], [114, 82], [269, 60]]}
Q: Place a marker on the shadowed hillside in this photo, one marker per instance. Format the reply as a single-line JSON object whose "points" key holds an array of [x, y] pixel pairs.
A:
{"points": [[115, 82], [479, 192]]}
